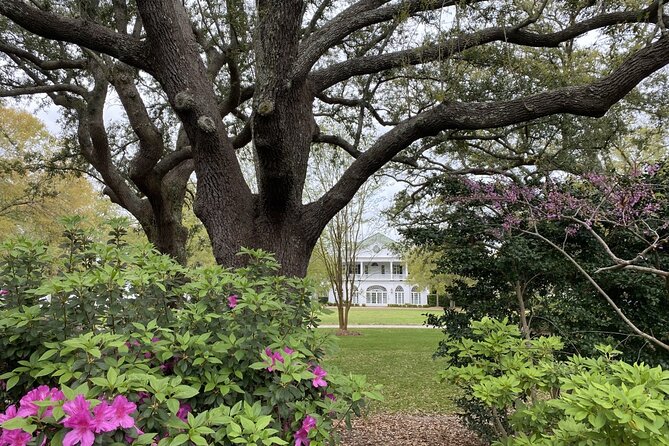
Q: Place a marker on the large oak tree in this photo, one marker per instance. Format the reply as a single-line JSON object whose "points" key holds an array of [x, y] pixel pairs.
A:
{"points": [[200, 81]]}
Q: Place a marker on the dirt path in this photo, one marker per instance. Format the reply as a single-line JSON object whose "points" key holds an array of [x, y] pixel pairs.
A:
{"points": [[408, 430]]}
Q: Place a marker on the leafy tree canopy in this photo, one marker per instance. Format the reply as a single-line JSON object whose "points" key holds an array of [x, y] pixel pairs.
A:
{"points": [[204, 83]]}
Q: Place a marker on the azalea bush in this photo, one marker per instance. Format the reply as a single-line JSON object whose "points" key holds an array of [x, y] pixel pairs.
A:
{"points": [[534, 399], [158, 353]]}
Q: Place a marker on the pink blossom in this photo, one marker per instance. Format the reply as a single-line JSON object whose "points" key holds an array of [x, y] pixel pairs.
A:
{"points": [[120, 411], [4, 292], [273, 356], [232, 301], [319, 374], [102, 414], [28, 407], [142, 396], [13, 437], [81, 422], [288, 350], [184, 410], [331, 396], [302, 435]]}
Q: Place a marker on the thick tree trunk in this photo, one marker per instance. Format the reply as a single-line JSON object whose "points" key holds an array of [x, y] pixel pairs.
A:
{"points": [[290, 240]]}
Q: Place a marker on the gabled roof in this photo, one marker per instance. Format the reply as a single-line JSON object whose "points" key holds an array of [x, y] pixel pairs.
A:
{"points": [[379, 239]]}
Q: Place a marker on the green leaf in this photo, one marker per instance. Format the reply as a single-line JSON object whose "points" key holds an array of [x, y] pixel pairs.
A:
{"points": [[17, 423], [179, 439], [12, 382], [173, 405], [184, 392], [47, 355]]}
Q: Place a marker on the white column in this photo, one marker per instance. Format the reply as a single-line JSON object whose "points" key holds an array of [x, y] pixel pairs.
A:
{"points": [[362, 268], [391, 270]]}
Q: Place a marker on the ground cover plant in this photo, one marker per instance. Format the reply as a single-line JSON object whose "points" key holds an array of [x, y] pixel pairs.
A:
{"points": [[401, 361], [381, 316], [132, 347]]}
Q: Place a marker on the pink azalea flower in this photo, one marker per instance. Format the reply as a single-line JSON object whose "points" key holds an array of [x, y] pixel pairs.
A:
{"points": [[102, 416], [120, 411], [288, 350], [28, 407], [15, 437], [302, 435], [232, 301], [81, 422], [319, 374], [4, 292], [273, 356], [331, 396], [184, 410]]}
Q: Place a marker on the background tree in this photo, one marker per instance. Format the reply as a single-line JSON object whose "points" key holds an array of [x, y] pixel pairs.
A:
{"points": [[479, 241], [340, 243], [424, 272], [201, 79], [34, 197]]}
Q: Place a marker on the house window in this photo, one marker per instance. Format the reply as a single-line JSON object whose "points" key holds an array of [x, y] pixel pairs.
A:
{"points": [[366, 269], [399, 295], [415, 296], [356, 296], [383, 269], [397, 269], [377, 295], [357, 268]]}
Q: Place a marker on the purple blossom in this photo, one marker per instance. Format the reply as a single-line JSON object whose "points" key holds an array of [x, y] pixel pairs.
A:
{"points": [[273, 357], [4, 292], [302, 435], [232, 301], [82, 423], [13, 437], [319, 374], [184, 410], [27, 406]]}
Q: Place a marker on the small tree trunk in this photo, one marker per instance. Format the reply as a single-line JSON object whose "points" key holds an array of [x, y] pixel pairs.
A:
{"points": [[525, 328]]}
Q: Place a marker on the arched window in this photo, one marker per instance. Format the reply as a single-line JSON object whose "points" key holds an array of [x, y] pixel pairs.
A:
{"points": [[356, 296], [415, 296], [399, 295], [377, 295]]}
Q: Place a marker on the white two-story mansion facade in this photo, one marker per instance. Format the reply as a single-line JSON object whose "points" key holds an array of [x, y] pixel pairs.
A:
{"points": [[380, 276]]}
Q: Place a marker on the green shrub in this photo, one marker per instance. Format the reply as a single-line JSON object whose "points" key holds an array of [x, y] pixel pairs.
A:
{"points": [[533, 399], [207, 355]]}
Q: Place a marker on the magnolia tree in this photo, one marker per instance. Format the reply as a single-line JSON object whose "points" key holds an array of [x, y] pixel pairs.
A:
{"points": [[606, 208], [198, 82]]}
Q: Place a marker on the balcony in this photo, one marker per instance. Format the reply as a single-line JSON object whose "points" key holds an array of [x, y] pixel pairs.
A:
{"points": [[379, 276]]}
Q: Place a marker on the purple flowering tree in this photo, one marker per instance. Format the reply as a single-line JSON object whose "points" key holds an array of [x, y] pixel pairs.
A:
{"points": [[602, 207]]}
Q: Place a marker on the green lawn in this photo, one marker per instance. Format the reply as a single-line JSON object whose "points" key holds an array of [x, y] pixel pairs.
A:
{"points": [[401, 360], [381, 316]]}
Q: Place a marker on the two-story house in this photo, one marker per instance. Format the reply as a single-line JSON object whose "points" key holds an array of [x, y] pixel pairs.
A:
{"points": [[380, 276]]}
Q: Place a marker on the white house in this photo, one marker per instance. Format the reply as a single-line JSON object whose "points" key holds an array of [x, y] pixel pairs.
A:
{"points": [[380, 276]]}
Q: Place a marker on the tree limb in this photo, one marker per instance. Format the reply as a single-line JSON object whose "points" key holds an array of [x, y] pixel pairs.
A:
{"points": [[81, 32], [588, 100], [326, 77]]}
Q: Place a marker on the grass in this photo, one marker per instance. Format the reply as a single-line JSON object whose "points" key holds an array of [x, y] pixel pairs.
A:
{"points": [[380, 316], [401, 360]]}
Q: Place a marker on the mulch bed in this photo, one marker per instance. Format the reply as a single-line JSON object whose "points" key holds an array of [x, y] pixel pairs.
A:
{"points": [[408, 430]]}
